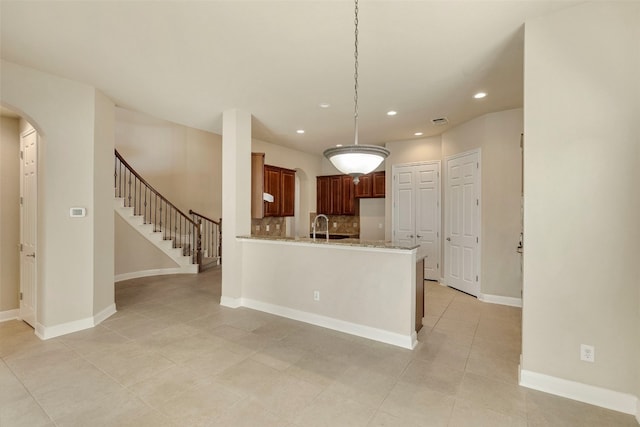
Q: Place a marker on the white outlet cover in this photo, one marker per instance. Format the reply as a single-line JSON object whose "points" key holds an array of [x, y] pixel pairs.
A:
{"points": [[587, 353]]}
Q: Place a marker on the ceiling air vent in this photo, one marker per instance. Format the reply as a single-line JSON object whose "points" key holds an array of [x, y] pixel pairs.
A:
{"points": [[440, 121]]}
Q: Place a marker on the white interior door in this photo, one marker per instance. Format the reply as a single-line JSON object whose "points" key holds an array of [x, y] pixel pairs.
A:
{"points": [[28, 200], [428, 217], [416, 211], [404, 220], [462, 222]]}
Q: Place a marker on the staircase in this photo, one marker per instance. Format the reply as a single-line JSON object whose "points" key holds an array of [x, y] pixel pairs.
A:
{"points": [[176, 234]]}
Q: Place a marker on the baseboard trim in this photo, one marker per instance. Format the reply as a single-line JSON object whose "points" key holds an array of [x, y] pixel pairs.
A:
{"points": [[404, 341], [146, 273], [104, 314], [593, 395], [230, 302], [499, 299], [48, 332], [638, 409], [9, 315]]}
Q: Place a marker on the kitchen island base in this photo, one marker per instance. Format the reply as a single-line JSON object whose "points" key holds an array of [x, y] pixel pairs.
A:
{"points": [[358, 289]]}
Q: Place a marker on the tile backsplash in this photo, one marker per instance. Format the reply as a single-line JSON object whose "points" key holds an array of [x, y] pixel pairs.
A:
{"points": [[339, 224], [269, 226]]}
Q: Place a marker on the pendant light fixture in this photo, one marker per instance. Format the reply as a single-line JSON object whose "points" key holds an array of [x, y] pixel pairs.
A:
{"points": [[356, 160]]}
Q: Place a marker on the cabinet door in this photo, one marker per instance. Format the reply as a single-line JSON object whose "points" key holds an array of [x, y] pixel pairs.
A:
{"points": [[378, 184], [322, 195], [363, 188], [348, 195], [288, 187], [335, 195], [272, 176]]}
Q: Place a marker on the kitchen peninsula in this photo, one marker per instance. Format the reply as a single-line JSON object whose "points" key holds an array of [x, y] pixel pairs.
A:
{"points": [[364, 288]]}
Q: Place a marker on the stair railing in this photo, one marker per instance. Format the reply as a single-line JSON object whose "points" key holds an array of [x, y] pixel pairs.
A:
{"points": [[166, 218], [211, 236]]}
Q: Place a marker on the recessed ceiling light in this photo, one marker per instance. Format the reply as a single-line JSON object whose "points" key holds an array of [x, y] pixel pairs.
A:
{"points": [[325, 105], [338, 145], [391, 113], [418, 134], [300, 131], [479, 95]]}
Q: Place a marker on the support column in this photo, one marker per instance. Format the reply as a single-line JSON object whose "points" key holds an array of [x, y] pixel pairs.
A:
{"points": [[236, 200]]}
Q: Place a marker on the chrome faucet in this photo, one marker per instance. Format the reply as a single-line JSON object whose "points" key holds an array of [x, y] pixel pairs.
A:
{"points": [[314, 225]]}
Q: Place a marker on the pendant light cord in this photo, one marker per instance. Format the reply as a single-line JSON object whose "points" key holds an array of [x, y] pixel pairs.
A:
{"points": [[355, 77]]}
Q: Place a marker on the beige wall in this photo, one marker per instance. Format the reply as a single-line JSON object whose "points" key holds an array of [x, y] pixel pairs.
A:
{"points": [[67, 117], [134, 253], [9, 213], [498, 137], [183, 164], [582, 203], [372, 218]]}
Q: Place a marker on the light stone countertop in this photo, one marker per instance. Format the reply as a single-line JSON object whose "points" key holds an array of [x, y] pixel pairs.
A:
{"points": [[379, 244]]}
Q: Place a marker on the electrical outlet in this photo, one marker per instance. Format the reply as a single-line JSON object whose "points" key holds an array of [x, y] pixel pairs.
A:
{"points": [[267, 228], [257, 228], [335, 225], [277, 226], [316, 295], [587, 353]]}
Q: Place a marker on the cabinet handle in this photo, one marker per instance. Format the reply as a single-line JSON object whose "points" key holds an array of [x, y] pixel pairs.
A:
{"points": [[411, 236], [419, 236], [448, 239]]}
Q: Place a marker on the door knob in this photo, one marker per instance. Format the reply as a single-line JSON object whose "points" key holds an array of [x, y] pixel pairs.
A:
{"points": [[448, 239], [419, 236], [411, 236], [32, 255]]}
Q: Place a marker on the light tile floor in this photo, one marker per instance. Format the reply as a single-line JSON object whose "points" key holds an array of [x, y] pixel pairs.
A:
{"points": [[172, 356]]}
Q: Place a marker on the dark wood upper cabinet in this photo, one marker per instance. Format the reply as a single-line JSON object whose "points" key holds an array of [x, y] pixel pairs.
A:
{"points": [[288, 187], [335, 195], [349, 205], [371, 185], [281, 184], [378, 184], [363, 188]]}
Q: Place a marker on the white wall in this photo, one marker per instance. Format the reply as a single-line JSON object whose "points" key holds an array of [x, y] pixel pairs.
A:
{"points": [[72, 119], [9, 213], [582, 197], [498, 137]]}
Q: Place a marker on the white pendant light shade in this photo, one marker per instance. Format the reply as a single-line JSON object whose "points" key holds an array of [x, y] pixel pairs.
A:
{"points": [[356, 160]]}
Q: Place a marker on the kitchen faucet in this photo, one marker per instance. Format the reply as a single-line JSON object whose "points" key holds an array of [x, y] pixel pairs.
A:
{"points": [[314, 225]]}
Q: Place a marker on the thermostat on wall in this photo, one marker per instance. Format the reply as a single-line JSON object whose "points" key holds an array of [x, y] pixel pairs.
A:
{"points": [[77, 212]]}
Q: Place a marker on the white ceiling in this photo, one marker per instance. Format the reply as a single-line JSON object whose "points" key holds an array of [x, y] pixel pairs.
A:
{"points": [[188, 61]]}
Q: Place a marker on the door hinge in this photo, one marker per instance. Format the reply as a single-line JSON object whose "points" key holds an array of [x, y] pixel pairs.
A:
{"points": [[437, 265], [22, 154], [21, 247], [477, 241], [477, 202], [476, 278], [478, 165], [21, 200], [20, 296]]}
